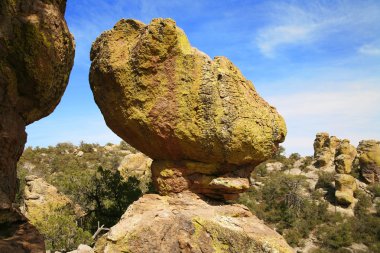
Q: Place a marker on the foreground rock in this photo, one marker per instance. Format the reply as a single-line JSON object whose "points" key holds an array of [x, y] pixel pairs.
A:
{"points": [[37, 54], [369, 160], [175, 104], [185, 223]]}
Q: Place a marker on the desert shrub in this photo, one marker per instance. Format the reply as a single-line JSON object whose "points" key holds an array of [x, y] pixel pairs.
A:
{"points": [[61, 232], [107, 197], [281, 203], [375, 189], [336, 236]]}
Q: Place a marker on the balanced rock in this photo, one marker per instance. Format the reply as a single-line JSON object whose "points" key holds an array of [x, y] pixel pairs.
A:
{"points": [[344, 157], [369, 160], [345, 185], [174, 103], [186, 223], [37, 54], [325, 148]]}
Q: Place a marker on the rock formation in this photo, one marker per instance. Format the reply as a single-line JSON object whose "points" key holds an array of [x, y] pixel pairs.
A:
{"points": [[37, 53], [369, 160], [344, 157], [345, 185], [137, 165], [198, 116], [324, 149], [204, 126], [42, 199], [186, 223]]}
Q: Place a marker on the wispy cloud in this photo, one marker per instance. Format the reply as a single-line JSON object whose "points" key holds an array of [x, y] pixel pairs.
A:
{"points": [[347, 112], [303, 23], [370, 49]]}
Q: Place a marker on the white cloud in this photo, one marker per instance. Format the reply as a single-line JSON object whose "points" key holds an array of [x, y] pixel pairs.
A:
{"points": [[309, 22], [370, 49], [349, 111]]}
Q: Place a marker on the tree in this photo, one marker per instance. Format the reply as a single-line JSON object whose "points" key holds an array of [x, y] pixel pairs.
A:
{"points": [[108, 196]]}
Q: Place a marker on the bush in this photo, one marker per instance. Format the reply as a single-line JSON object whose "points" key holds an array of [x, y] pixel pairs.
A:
{"points": [[61, 232]]}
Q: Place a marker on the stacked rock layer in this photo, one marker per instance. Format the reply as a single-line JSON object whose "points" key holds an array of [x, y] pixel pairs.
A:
{"points": [[199, 119]]}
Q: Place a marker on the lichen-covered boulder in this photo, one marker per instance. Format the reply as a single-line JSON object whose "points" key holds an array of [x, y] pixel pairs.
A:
{"points": [[37, 54], [173, 102], [345, 185], [324, 149], [344, 157], [369, 160], [185, 223]]}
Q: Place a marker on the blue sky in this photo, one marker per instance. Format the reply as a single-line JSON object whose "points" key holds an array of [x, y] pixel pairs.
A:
{"points": [[318, 62]]}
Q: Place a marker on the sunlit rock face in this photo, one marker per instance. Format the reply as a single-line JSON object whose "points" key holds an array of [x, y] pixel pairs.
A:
{"points": [[199, 116], [186, 223], [37, 54], [369, 160], [324, 149]]}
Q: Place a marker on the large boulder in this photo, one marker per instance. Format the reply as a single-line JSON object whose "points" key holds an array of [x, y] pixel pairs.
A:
{"points": [[345, 185], [176, 105], [186, 223], [369, 160], [344, 157], [37, 54], [173, 102]]}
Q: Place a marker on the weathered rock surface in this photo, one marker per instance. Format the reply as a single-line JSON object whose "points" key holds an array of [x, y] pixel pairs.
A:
{"points": [[369, 160], [42, 199], [37, 54], [185, 223], [137, 165], [345, 185], [82, 248], [324, 149], [344, 157], [174, 103]]}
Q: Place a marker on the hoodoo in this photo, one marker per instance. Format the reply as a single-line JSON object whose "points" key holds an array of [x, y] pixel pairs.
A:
{"points": [[204, 126]]}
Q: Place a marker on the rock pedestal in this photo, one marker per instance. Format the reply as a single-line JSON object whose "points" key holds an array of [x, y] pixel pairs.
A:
{"points": [[37, 54], [184, 223], [345, 184]]}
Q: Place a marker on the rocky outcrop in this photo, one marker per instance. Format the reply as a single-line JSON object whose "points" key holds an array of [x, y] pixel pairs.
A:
{"points": [[344, 157], [41, 199], [186, 223], [369, 160], [324, 149], [37, 53], [345, 185], [137, 165], [179, 107]]}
